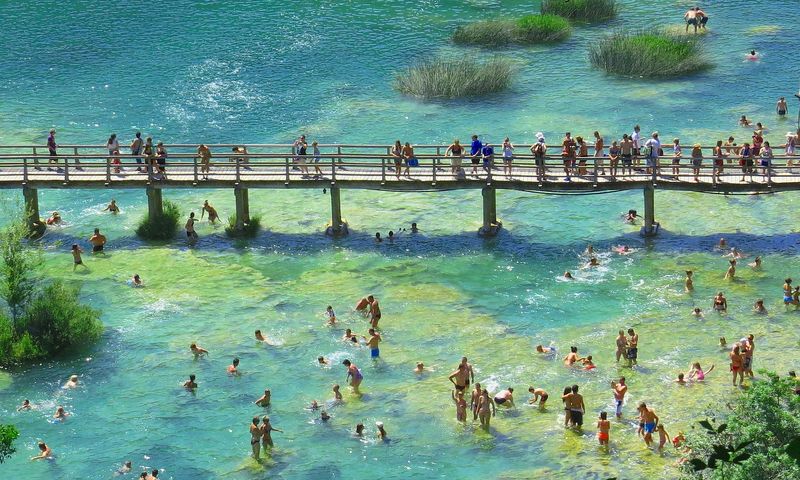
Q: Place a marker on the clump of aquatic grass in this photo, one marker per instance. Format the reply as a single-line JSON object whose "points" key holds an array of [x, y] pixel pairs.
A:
{"points": [[162, 227], [543, 29], [249, 230], [487, 33], [648, 54], [585, 10], [454, 77], [529, 29]]}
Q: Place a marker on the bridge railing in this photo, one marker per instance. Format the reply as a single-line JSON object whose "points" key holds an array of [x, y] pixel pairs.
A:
{"points": [[364, 163]]}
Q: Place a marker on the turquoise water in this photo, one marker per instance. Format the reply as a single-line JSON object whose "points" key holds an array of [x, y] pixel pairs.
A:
{"points": [[265, 71]]}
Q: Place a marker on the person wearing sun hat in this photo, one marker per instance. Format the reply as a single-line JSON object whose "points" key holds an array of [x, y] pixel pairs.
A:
{"points": [[381, 430], [539, 151]]}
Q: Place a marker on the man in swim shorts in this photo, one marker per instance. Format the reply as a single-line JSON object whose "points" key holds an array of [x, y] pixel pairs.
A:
{"points": [[460, 378], [781, 107], [372, 342], [538, 394], [650, 420], [374, 311], [97, 240], [626, 149], [505, 397], [691, 18], [190, 233], [576, 407], [633, 347]]}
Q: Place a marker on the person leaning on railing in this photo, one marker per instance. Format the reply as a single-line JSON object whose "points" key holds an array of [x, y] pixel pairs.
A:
{"points": [[719, 163]]}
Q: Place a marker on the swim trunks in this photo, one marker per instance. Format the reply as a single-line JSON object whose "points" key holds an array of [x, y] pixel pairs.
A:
{"points": [[461, 388], [627, 159], [619, 407], [543, 398], [576, 416], [748, 361], [375, 352], [603, 436], [649, 427], [632, 353], [97, 248], [499, 400], [781, 112]]}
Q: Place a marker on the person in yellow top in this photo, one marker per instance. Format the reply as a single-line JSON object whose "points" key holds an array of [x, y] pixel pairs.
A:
{"points": [[213, 216]]}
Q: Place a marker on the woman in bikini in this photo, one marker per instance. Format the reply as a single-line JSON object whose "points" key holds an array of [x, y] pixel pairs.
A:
{"points": [[737, 364], [255, 438], [697, 373], [720, 303], [397, 156]]}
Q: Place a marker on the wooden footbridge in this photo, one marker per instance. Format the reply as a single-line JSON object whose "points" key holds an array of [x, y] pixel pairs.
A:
{"points": [[337, 167]]}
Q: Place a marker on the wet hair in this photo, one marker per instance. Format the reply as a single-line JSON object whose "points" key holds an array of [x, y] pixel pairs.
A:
{"points": [[603, 415], [346, 362], [630, 330], [96, 230], [792, 373], [573, 349], [320, 359], [510, 389], [567, 390], [193, 345], [192, 377], [680, 376], [642, 405], [621, 379], [574, 389], [74, 246], [235, 361], [258, 331]]}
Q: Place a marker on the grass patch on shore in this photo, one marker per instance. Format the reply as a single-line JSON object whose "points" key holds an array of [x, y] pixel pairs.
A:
{"points": [[454, 77], [584, 10], [249, 230], [162, 227], [527, 30], [648, 54]]}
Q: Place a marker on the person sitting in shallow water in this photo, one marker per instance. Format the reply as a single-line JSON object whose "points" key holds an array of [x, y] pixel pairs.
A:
{"points": [[136, 281], [697, 312], [568, 276], [759, 307]]}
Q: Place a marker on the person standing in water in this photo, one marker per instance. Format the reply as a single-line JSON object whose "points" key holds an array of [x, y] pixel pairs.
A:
{"points": [[76, 257], [266, 433], [372, 342], [486, 409], [650, 419], [213, 216], [603, 428], [620, 389], [374, 311], [255, 438], [633, 347], [461, 405], [622, 344], [731, 273], [781, 108], [190, 233], [97, 240], [737, 365], [354, 376], [688, 284]]}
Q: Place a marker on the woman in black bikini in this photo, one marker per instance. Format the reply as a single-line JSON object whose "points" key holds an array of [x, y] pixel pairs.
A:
{"points": [[455, 152]]}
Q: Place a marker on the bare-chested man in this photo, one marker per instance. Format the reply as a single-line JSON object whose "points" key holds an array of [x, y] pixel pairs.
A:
{"points": [[650, 419], [539, 394], [98, 241], [748, 356], [505, 397], [486, 409], [620, 389], [372, 342], [264, 400], [574, 402], [374, 311], [626, 149], [460, 378], [633, 347], [571, 357]]}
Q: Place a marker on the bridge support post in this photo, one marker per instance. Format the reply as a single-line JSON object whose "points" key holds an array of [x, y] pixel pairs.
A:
{"points": [[650, 227], [155, 204], [242, 208], [490, 223], [338, 227], [31, 215]]}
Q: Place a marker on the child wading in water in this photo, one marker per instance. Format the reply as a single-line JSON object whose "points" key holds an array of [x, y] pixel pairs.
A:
{"points": [[603, 427]]}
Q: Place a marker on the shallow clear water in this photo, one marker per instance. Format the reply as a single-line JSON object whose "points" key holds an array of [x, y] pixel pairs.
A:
{"points": [[264, 71]]}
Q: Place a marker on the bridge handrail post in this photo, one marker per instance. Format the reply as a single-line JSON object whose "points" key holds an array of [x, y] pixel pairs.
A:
{"points": [[108, 169], [35, 158], [287, 171], [595, 170], [66, 170], [489, 174], [333, 168], [769, 172], [654, 173], [149, 169], [339, 152], [194, 170], [433, 167], [238, 170], [77, 162], [25, 170], [383, 170]]}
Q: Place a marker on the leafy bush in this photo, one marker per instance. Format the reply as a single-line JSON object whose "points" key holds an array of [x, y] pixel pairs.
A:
{"points": [[250, 229], [543, 29], [760, 440], [57, 320], [585, 10], [648, 54], [162, 227], [43, 319], [454, 78], [8, 433], [529, 29]]}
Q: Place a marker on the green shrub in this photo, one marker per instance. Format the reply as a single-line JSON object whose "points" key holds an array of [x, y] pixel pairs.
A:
{"points": [[25, 350], [585, 10], [8, 433], [487, 33], [454, 78], [648, 54], [542, 29], [57, 320], [162, 227], [763, 429], [530, 29], [17, 267], [250, 229]]}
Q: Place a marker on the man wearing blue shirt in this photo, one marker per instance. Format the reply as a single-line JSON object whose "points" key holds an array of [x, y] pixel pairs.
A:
{"points": [[475, 153], [488, 157]]}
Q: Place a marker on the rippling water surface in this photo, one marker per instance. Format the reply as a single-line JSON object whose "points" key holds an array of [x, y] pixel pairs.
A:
{"points": [[265, 71]]}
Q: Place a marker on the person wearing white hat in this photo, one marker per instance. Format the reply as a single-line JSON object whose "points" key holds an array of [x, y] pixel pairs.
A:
{"points": [[381, 430], [539, 150]]}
